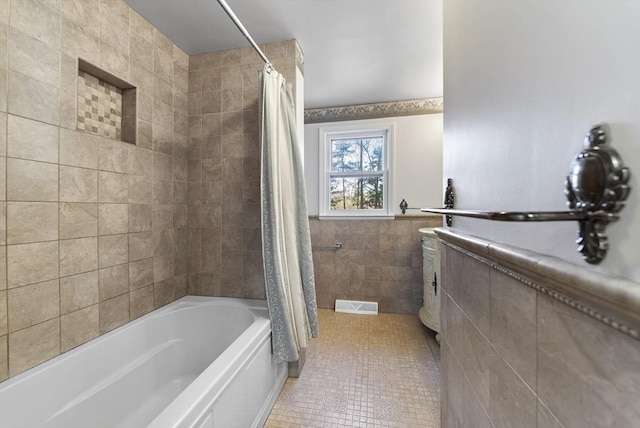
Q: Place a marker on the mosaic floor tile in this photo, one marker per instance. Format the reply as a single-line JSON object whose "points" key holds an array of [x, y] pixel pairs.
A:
{"points": [[364, 371]]}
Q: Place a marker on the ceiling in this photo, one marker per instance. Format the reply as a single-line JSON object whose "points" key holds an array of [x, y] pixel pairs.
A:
{"points": [[355, 51]]}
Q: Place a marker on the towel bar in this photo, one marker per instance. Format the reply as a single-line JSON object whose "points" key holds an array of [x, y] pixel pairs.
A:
{"points": [[596, 188]]}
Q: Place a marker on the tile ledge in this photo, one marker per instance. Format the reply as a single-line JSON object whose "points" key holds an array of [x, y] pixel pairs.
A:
{"points": [[610, 299]]}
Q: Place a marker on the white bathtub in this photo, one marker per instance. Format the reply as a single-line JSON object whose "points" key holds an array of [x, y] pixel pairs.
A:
{"points": [[198, 362]]}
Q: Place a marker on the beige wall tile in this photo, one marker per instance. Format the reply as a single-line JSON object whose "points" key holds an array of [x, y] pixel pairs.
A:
{"points": [[33, 99], [140, 161], [78, 255], [474, 415], [477, 361], [163, 90], [163, 64], [162, 217], [78, 220], [453, 326], [455, 394], [31, 181], [83, 13], [3, 267], [3, 313], [114, 281], [79, 327], [37, 20], [141, 301], [29, 139], [3, 223], [113, 250], [33, 345], [115, 61], [117, 9], [78, 149], [512, 403], [140, 273], [163, 292], [114, 312], [31, 222], [34, 58], [3, 133], [141, 26], [114, 32], [113, 218], [141, 49], [4, 90], [113, 187], [162, 42], [4, 357], [68, 74], [78, 184], [162, 192], [32, 304], [140, 217], [163, 267], [587, 372], [80, 44], [162, 242], [162, 115], [31, 263], [180, 57], [68, 110], [475, 293], [78, 291], [113, 156], [140, 190], [513, 324], [545, 418], [140, 246]]}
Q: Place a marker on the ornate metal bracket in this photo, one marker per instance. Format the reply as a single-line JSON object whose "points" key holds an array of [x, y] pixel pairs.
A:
{"points": [[449, 200], [596, 188]]}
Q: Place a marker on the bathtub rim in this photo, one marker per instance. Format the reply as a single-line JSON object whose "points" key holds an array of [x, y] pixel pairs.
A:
{"points": [[180, 304]]}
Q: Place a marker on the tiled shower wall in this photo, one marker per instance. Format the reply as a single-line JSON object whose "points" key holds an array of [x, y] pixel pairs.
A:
{"points": [[225, 248], [93, 230], [380, 260]]}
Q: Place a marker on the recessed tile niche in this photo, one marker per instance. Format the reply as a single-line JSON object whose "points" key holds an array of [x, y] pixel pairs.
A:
{"points": [[106, 104]]}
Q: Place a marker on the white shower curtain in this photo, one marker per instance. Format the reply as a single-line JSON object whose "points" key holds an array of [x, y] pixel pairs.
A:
{"points": [[286, 242]]}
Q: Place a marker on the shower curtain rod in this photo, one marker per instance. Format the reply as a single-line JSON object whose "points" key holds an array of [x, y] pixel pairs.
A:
{"points": [[244, 32]]}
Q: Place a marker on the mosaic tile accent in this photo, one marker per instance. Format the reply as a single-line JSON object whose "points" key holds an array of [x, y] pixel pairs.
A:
{"points": [[364, 371], [99, 107]]}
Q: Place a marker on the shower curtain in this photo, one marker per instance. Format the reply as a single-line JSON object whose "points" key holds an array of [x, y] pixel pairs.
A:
{"points": [[286, 242]]}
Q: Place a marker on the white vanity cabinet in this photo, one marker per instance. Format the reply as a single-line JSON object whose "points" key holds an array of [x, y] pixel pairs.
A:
{"points": [[430, 311]]}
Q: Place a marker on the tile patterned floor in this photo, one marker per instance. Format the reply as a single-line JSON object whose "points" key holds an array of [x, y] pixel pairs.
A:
{"points": [[364, 371]]}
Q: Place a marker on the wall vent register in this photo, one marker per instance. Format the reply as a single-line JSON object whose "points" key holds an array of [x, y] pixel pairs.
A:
{"points": [[596, 188]]}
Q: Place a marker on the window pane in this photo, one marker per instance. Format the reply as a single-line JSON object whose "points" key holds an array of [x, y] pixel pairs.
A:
{"points": [[362, 154], [356, 193]]}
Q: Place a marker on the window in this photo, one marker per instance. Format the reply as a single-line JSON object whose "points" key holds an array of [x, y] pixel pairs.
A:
{"points": [[355, 177]]}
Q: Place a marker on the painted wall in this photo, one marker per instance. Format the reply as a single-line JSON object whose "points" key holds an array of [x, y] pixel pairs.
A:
{"points": [[524, 83], [417, 160], [93, 231]]}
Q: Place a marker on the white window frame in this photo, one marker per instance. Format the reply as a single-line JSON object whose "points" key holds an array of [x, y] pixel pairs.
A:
{"points": [[326, 135]]}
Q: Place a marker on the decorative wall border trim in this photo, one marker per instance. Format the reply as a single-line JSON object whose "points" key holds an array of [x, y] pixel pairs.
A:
{"points": [[575, 303], [373, 111]]}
